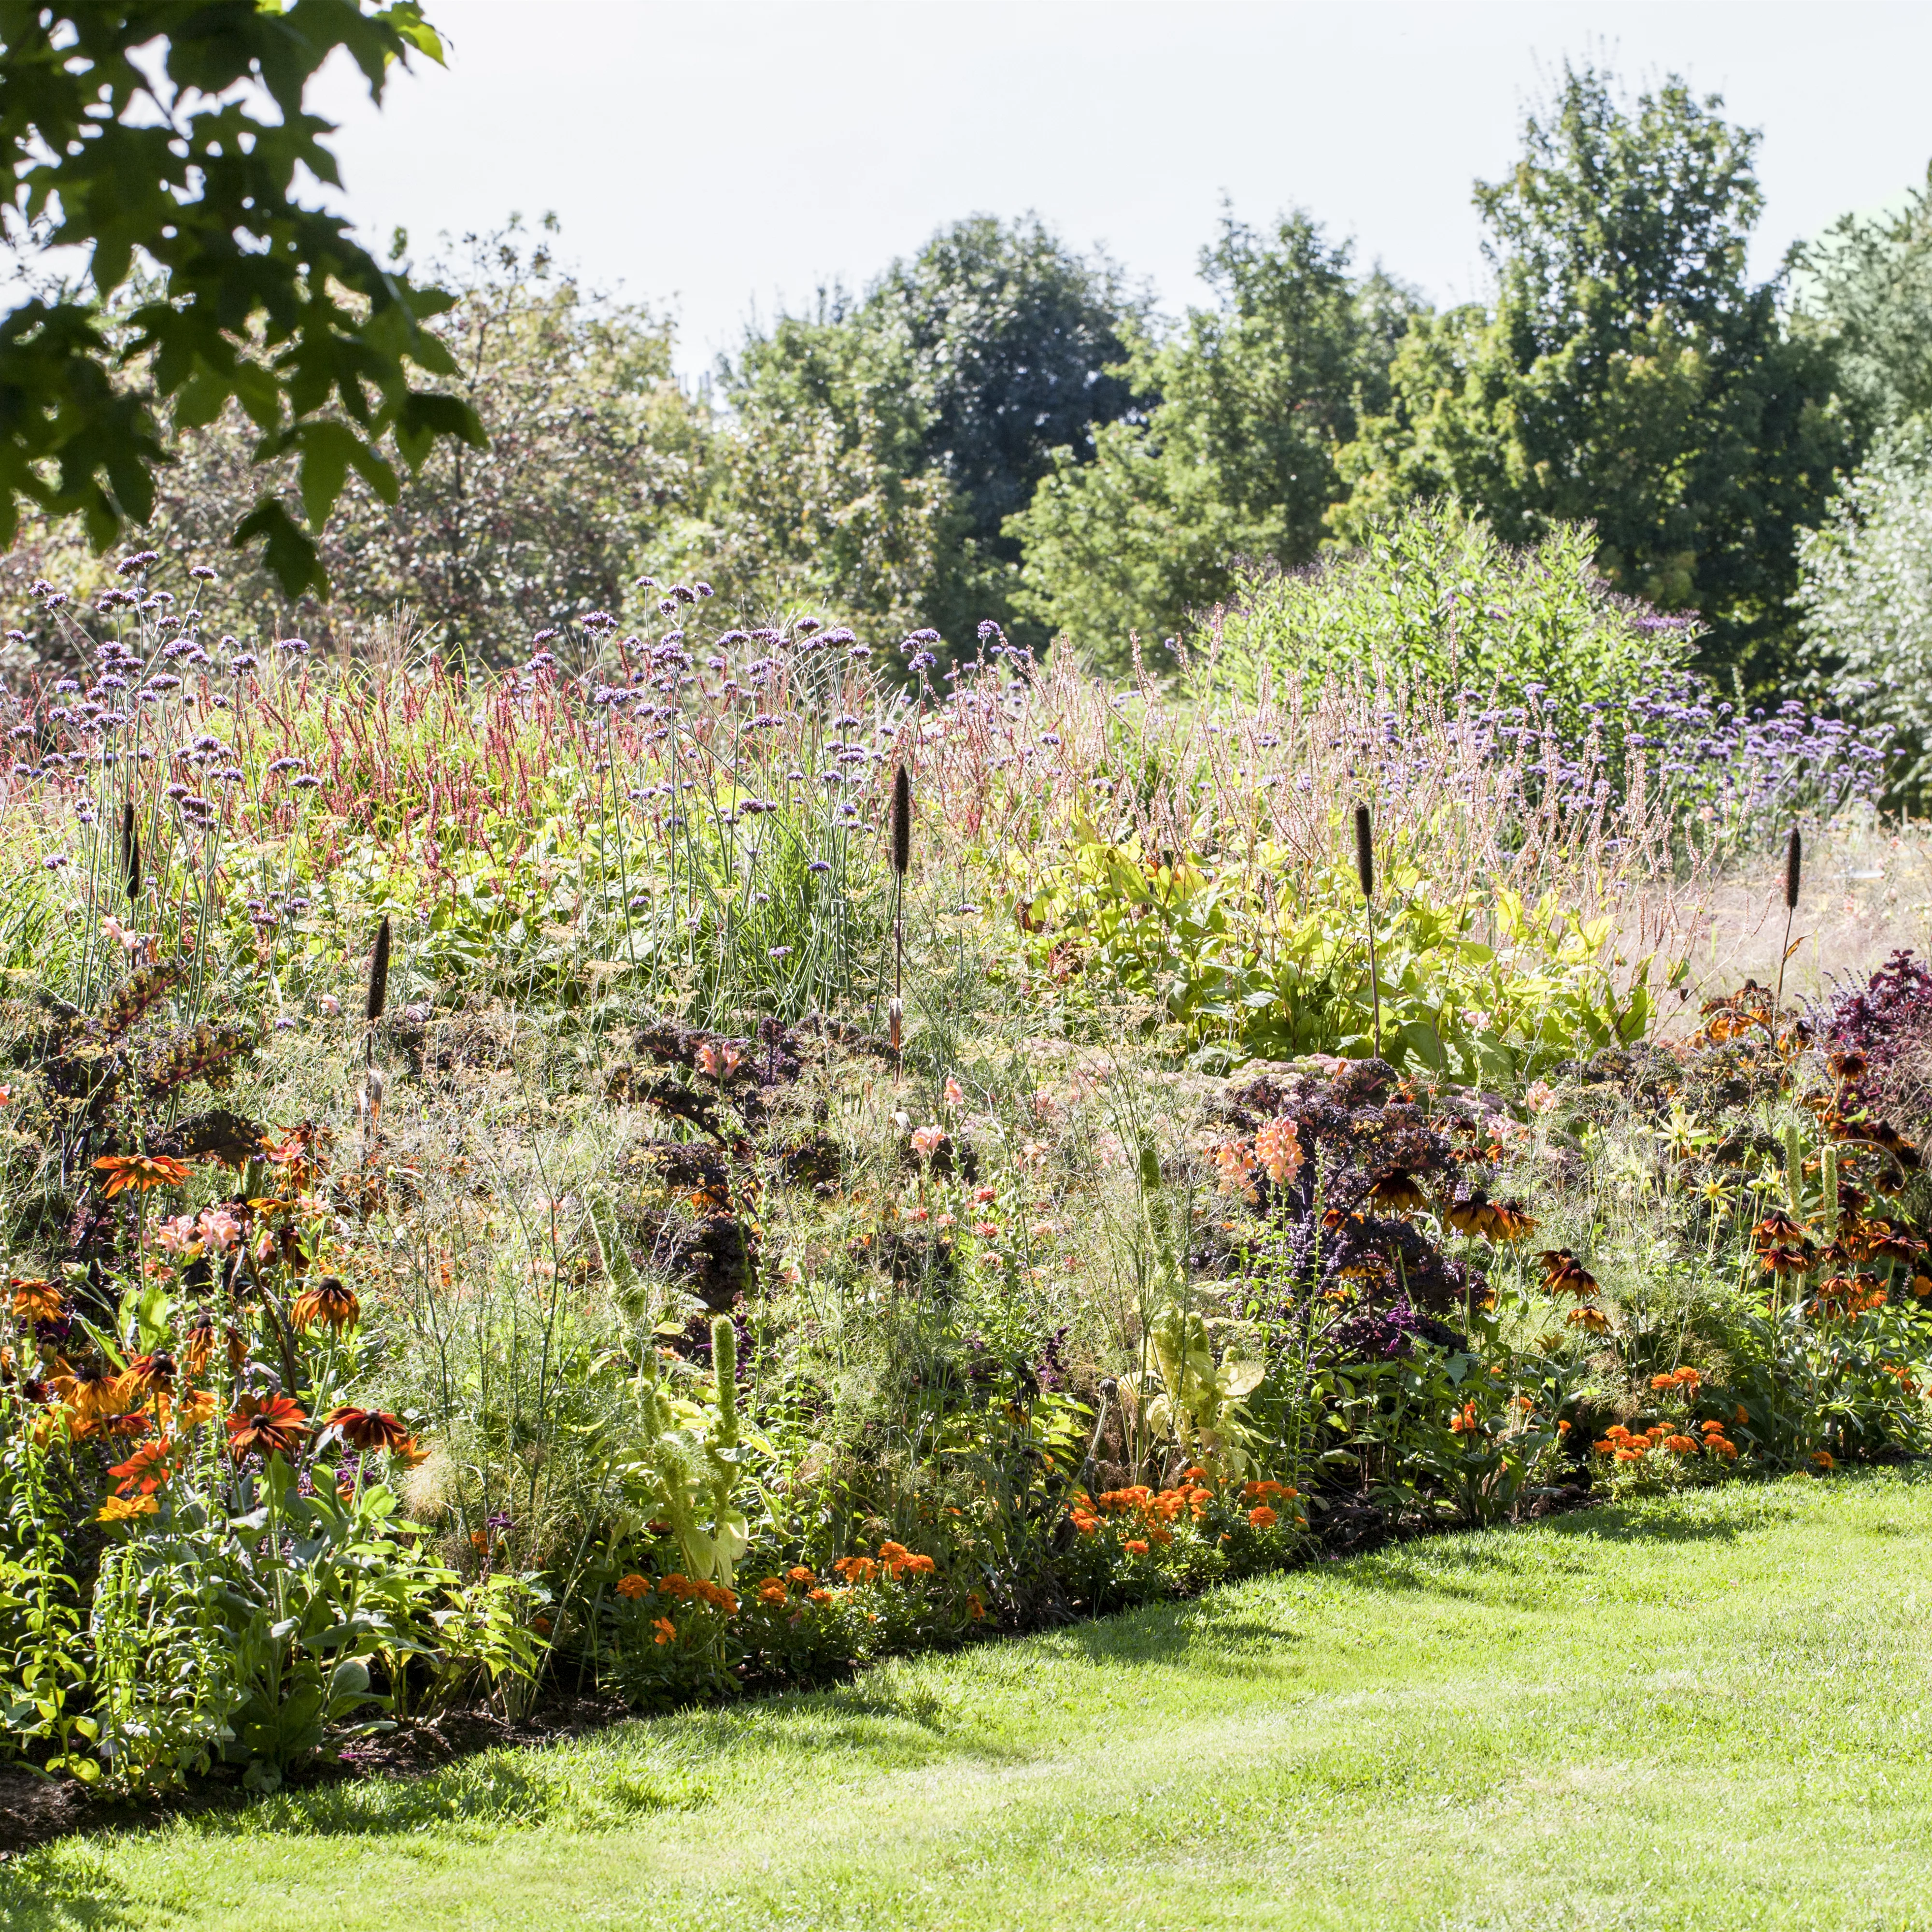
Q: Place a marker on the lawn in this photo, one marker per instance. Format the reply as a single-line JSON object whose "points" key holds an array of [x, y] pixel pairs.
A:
{"points": [[1707, 1712]]}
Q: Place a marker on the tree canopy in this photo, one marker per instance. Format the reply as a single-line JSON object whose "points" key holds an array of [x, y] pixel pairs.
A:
{"points": [[1629, 373], [1247, 404], [131, 132]]}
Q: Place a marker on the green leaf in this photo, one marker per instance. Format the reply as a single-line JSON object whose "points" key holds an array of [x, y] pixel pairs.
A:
{"points": [[291, 553]]}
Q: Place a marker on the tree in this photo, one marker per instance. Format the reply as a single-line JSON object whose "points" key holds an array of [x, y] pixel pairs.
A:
{"points": [[129, 130], [595, 464], [1251, 401], [1864, 595], [1867, 290], [924, 413], [595, 459], [1628, 375]]}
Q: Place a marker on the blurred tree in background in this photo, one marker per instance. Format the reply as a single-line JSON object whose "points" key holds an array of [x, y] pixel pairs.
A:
{"points": [[1234, 456], [996, 427], [914, 420], [1628, 375], [594, 455], [1865, 289]]}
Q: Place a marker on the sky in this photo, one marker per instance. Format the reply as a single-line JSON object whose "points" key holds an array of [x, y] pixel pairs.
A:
{"points": [[725, 159]]}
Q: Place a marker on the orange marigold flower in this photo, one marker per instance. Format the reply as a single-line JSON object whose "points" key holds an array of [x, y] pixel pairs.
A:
{"points": [[1262, 1517], [820, 1595], [1629, 1455], [1682, 1445], [266, 1423], [798, 1574], [632, 1586], [856, 1569], [772, 1590], [1718, 1446], [975, 1609], [141, 1171], [1135, 1546], [1465, 1421], [1085, 1523], [666, 1630], [1824, 1459], [1663, 1381], [1196, 1474], [329, 1304]]}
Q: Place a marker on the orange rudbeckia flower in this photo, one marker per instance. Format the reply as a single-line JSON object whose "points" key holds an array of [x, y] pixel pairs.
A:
{"points": [[140, 1171], [266, 1423], [329, 1304]]}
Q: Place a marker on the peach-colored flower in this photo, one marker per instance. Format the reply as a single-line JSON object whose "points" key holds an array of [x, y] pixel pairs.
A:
{"points": [[1278, 1148], [925, 1141]]}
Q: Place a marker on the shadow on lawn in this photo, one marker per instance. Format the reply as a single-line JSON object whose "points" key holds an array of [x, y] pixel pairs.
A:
{"points": [[41, 1893]]}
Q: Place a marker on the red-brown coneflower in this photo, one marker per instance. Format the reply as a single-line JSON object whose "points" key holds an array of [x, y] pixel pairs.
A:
{"points": [[329, 1303], [367, 1429], [266, 1423]]}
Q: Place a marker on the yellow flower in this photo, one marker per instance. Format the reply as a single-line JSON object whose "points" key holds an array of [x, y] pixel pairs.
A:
{"points": [[119, 1509]]}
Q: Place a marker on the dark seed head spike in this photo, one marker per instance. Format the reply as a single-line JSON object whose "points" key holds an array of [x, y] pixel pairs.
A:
{"points": [[1794, 863], [379, 972], [130, 849], [1365, 852], [902, 820]]}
